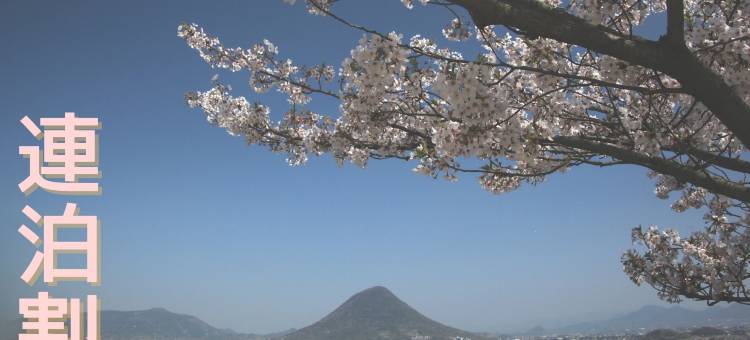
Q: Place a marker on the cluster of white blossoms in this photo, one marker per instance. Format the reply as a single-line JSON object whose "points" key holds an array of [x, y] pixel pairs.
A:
{"points": [[620, 14], [410, 3], [526, 108], [710, 265]]}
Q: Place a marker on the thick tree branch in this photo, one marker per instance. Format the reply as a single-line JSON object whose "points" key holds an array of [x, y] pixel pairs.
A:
{"points": [[535, 19], [734, 164], [680, 172], [675, 23]]}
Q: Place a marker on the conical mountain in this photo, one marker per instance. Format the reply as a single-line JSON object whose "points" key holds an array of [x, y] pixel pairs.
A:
{"points": [[376, 313]]}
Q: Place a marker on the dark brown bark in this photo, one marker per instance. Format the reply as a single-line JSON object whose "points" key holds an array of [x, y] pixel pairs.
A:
{"points": [[734, 164], [675, 23]]}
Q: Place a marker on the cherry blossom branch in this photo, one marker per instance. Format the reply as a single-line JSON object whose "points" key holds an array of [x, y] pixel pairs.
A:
{"points": [[680, 172], [574, 87], [537, 20]]}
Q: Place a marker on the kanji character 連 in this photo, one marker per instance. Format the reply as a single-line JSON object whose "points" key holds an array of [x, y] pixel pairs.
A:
{"points": [[70, 152]]}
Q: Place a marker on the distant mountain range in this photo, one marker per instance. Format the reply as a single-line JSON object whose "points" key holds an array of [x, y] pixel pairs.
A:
{"points": [[374, 313], [656, 317], [152, 324], [377, 314], [159, 323]]}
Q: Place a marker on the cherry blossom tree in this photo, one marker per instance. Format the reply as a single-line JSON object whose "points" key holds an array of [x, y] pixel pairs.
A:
{"points": [[560, 84]]}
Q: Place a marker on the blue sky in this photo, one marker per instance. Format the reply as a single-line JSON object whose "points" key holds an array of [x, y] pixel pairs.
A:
{"points": [[279, 247]]}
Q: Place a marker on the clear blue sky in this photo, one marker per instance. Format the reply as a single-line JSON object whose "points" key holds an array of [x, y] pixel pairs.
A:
{"points": [[279, 247]]}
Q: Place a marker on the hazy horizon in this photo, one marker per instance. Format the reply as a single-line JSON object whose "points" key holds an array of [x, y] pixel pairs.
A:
{"points": [[280, 247], [551, 326]]}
